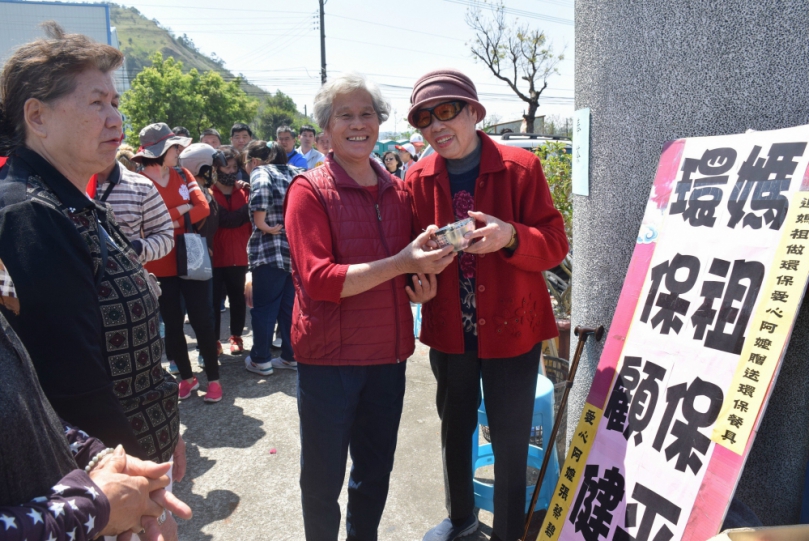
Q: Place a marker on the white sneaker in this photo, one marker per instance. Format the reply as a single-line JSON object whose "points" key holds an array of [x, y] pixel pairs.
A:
{"points": [[277, 343], [265, 369], [282, 364]]}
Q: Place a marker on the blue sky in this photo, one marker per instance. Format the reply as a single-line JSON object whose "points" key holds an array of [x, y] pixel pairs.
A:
{"points": [[391, 42]]}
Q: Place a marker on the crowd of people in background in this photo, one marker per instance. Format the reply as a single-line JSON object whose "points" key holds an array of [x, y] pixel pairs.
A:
{"points": [[105, 250]]}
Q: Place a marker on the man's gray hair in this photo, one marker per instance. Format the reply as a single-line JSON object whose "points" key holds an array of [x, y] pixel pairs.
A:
{"points": [[343, 84]]}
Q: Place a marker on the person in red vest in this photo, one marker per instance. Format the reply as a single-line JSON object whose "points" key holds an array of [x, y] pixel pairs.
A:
{"points": [[349, 226], [492, 310]]}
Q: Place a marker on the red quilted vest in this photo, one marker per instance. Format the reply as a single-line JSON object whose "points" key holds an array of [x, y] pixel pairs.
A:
{"points": [[374, 327]]}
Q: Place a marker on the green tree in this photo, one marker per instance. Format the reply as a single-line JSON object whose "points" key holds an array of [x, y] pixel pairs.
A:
{"points": [[163, 93], [557, 166], [277, 110]]}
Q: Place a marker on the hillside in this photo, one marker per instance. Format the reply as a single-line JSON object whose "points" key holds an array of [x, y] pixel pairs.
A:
{"points": [[141, 37]]}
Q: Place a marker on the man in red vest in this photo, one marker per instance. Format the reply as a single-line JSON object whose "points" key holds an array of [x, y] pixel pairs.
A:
{"points": [[492, 310]]}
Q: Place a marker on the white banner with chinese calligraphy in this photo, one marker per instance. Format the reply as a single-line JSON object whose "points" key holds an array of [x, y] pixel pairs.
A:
{"points": [[711, 295]]}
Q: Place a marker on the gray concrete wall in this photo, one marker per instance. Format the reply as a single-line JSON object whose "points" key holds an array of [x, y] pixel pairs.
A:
{"points": [[652, 71]]}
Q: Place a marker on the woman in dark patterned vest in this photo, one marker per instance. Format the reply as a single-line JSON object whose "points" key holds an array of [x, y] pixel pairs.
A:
{"points": [[71, 284]]}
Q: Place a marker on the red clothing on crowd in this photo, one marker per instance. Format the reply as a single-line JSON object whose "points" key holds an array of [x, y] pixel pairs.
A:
{"points": [[3, 161], [513, 305], [175, 194], [230, 243], [333, 222]]}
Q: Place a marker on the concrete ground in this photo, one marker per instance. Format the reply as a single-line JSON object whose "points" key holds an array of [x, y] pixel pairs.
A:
{"points": [[239, 489]]}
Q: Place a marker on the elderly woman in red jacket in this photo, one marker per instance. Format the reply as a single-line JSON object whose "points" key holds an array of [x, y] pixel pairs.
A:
{"points": [[492, 311], [349, 227]]}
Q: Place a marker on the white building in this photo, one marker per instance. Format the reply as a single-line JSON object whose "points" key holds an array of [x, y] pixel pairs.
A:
{"points": [[21, 20]]}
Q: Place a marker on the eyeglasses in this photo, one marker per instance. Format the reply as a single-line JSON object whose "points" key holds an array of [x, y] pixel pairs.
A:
{"points": [[390, 159], [443, 112]]}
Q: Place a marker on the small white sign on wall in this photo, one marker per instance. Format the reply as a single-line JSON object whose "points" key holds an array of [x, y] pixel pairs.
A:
{"points": [[581, 152]]}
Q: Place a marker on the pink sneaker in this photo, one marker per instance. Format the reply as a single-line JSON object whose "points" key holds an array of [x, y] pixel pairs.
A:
{"points": [[186, 388], [214, 393]]}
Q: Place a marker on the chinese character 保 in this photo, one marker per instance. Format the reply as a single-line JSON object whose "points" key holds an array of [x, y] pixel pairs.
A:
{"points": [[755, 175], [740, 405], [785, 280], [689, 442], [598, 497], [670, 304]]}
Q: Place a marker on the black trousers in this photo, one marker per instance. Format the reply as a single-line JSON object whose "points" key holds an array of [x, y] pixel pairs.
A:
{"points": [[197, 297], [509, 387], [229, 280]]}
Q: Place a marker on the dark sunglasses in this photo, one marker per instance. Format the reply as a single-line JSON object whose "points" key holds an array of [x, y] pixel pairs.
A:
{"points": [[443, 112]]}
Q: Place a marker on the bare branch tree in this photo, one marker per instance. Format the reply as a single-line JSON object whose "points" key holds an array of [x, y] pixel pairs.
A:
{"points": [[517, 55]]}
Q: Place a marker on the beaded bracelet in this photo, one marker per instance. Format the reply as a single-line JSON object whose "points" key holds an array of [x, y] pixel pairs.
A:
{"points": [[96, 459]]}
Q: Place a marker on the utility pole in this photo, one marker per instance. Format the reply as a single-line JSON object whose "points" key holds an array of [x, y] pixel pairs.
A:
{"points": [[322, 43]]}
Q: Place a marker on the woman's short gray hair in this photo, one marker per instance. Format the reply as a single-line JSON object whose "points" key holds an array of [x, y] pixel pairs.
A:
{"points": [[343, 84]]}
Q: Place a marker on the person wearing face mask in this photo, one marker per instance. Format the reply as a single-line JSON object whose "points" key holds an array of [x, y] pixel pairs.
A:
{"points": [[182, 195], [230, 246]]}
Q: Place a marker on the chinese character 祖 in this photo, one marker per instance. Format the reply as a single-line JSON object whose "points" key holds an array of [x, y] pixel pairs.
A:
{"points": [[754, 175], [597, 499], [654, 505], [801, 234], [742, 289], [711, 290], [688, 438], [670, 304]]}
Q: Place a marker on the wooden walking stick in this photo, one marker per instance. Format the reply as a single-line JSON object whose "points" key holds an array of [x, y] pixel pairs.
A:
{"points": [[583, 333]]}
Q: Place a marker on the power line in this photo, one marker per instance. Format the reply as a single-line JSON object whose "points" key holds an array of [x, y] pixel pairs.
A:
{"points": [[516, 12], [396, 27]]}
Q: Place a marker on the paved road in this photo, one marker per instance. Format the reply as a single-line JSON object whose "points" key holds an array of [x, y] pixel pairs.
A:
{"points": [[240, 490]]}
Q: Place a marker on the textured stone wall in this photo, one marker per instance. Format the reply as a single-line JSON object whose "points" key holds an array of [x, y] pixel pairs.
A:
{"points": [[652, 71]]}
